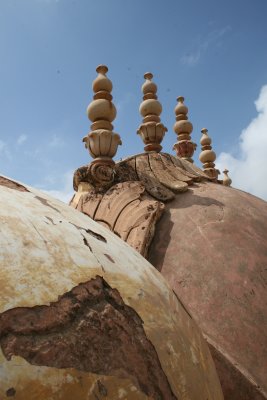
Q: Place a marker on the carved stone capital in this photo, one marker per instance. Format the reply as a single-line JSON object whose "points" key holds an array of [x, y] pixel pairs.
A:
{"points": [[152, 134], [212, 173], [102, 143], [185, 149]]}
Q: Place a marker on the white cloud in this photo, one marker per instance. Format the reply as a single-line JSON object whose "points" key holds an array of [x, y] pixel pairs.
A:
{"points": [[21, 139], [249, 170], [213, 38]]}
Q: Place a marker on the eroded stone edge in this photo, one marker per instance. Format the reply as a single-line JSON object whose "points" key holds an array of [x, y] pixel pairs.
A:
{"points": [[90, 329]]}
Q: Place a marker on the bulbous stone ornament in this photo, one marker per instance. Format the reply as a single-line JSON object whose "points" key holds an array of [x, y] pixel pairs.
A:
{"points": [[102, 143], [226, 179], [184, 147], [207, 155], [151, 130]]}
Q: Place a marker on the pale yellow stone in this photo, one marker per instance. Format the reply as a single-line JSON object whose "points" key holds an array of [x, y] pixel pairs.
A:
{"points": [[205, 139], [181, 108], [102, 82], [102, 143], [150, 106], [151, 130], [43, 256], [183, 128], [149, 86], [207, 155], [101, 109]]}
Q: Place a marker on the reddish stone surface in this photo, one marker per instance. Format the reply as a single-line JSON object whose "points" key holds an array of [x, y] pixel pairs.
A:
{"points": [[90, 329], [185, 149], [12, 184], [211, 245], [236, 385]]}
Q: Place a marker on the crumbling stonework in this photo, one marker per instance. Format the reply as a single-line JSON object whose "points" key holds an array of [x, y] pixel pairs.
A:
{"points": [[90, 329]]}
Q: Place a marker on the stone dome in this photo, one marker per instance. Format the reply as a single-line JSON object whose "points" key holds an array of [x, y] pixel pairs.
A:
{"points": [[209, 242], [84, 316], [211, 246]]}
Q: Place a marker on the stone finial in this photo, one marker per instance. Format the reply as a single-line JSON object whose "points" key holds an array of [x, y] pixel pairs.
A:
{"points": [[151, 130], [184, 147], [101, 141], [226, 179], [207, 155]]}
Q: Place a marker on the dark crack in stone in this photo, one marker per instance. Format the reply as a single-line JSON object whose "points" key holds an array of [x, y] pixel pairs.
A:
{"points": [[10, 392], [91, 329], [46, 203]]}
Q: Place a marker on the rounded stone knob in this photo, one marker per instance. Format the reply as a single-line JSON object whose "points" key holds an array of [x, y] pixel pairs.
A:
{"points": [[101, 109], [102, 82], [183, 126], [180, 107], [149, 86], [150, 106], [207, 156], [205, 139]]}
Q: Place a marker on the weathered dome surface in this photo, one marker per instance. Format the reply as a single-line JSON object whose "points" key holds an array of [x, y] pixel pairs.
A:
{"points": [[83, 316], [211, 246]]}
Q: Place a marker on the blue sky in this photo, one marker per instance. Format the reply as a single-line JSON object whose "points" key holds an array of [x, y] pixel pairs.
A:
{"points": [[214, 53]]}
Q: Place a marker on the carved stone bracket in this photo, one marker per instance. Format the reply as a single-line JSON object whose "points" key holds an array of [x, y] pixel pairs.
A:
{"points": [[127, 211], [131, 205]]}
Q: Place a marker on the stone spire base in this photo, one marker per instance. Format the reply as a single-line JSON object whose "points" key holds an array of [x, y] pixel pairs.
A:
{"points": [[184, 147]]}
